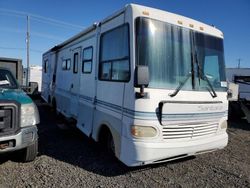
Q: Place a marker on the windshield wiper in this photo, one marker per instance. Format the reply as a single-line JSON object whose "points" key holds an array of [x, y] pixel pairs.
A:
{"points": [[204, 77], [180, 85]]}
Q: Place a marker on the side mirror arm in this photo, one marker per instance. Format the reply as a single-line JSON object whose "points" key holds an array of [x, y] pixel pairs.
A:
{"points": [[141, 80]]}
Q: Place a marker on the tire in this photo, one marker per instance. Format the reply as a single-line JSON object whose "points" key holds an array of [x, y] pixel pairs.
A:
{"points": [[234, 111], [110, 143], [30, 153], [54, 106]]}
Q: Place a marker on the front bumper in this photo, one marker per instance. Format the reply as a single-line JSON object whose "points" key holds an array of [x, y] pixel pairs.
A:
{"points": [[135, 153], [24, 138]]}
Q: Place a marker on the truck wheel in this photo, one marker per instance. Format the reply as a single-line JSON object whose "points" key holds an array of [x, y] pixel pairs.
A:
{"points": [[30, 153]]}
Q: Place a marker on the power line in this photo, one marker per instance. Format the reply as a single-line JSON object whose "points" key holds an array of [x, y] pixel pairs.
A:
{"points": [[9, 29], [34, 33], [46, 36], [56, 23], [22, 49], [42, 19], [28, 50], [11, 14]]}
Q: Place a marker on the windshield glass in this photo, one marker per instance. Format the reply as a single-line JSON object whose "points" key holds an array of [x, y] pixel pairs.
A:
{"points": [[167, 49], [210, 57], [7, 81]]}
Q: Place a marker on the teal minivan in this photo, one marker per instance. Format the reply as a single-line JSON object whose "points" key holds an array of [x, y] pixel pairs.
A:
{"points": [[18, 119]]}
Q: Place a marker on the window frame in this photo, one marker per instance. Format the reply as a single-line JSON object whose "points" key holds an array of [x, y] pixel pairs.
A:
{"points": [[117, 59], [87, 60], [75, 71], [66, 65], [45, 66]]}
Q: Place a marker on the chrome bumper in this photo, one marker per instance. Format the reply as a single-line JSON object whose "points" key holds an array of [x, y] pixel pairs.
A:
{"points": [[24, 138]]}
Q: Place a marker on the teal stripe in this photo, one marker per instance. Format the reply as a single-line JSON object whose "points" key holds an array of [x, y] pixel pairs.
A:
{"points": [[150, 115]]}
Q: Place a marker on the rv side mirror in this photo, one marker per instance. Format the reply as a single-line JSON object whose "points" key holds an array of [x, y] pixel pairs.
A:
{"points": [[141, 78]]}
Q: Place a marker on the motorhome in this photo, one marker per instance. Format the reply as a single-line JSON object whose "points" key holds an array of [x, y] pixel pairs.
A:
{"points": [[149, 83]]}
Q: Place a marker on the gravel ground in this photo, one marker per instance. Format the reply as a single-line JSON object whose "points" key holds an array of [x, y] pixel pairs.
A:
{"points": [[69, 159]]}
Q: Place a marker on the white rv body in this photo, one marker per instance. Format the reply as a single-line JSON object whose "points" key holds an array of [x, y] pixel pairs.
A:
{"points": [[190, 123]]}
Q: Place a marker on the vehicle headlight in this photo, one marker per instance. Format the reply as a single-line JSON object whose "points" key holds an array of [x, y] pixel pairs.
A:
{"points": [[29, 115], [143, 131], [223, 125]]}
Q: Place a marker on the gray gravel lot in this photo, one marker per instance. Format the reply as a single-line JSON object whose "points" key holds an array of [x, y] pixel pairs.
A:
{"points": [[69, 159]]}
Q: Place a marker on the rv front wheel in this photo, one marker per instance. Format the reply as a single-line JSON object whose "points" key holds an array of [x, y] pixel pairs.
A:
{"points": [[110, 143], [54, 106]]}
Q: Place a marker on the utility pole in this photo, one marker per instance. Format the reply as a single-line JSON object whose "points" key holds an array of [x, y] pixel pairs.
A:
{"points": [[28, 50], [239, 60]]}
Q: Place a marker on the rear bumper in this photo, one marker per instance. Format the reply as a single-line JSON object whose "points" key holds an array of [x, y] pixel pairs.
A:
{"points": [[24, 138], [134, 153]]}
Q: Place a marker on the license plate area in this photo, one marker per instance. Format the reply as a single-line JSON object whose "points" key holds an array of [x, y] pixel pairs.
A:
{"points": [[7, 144]]}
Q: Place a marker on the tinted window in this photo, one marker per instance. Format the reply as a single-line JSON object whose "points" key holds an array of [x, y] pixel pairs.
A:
{"points": [[114, 55], [7, 80], [166, 50], [66, 64], [45, 66], [87, 60], [75, 67], [170, 51]]}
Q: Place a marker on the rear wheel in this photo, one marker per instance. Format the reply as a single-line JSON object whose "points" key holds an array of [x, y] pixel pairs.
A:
{"points": [[30, 153], [54, 106], [58, 115]]}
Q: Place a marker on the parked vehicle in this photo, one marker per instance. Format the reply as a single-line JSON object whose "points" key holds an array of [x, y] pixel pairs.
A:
{"points": [[35, 79], [15, 66], [18, 119], [148, 83], [240, 106]]}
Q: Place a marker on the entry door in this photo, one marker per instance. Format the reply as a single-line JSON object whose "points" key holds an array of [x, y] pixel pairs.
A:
{"points": [[87, 86], [46, 77], [75, 83]]}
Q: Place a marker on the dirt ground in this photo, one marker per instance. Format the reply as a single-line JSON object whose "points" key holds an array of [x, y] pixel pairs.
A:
{"points": [[69, 159]]}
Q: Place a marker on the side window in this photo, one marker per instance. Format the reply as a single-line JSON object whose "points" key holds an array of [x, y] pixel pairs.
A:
{"points": [[66, 63], [87, 60], [75, 63], [114, 55], [45, 66]]}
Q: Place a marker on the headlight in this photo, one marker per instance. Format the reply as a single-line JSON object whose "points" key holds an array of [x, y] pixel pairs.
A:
{"points": [[143, 131], [29, 115], [223, 125]]}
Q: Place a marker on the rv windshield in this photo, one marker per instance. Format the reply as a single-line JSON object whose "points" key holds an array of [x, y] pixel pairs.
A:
{"points": [[7, 81], [168, 50]]}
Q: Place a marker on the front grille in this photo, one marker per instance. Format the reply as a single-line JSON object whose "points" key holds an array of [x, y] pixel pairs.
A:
{"points": [[9, 118], [189, 130]]}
